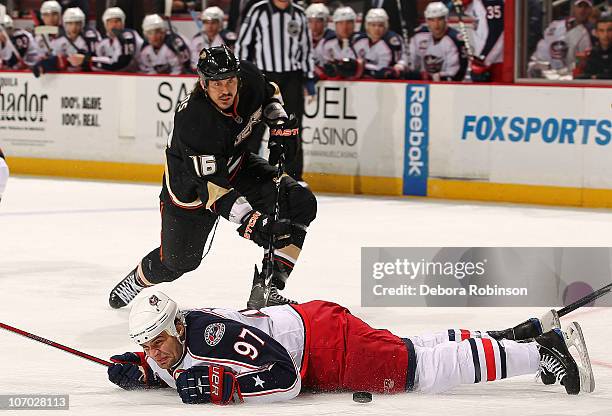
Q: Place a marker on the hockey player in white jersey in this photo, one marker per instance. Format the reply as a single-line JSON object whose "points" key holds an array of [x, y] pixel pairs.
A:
{"points": [[381, 50], [318, 15], [555, 54], [50, 13], [18, 49], [120, 47], [437, 51], [222, 356], [4, 174], [488, 38], [339, 56], [162, 52], [212, 34], [74, 50]]}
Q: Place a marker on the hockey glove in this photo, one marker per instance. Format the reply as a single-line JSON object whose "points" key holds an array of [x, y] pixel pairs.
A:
{"points": [[127, 373], [258, 227], [480, 72], [284, 140], [350, 68], [330, 70], [208, 384]]}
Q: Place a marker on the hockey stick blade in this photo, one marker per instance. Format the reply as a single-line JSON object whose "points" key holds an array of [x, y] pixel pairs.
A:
{"points": [[585, 300], [46, 30], [575, 338]]}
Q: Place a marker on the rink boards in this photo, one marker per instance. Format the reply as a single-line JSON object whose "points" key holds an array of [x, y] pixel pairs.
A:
{"points": [[534, 144]]}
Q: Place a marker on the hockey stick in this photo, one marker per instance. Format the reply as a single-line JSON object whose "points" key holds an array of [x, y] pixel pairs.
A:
{"points": [[458, 6], [268, 280], [585, 300], [404, 31], [44, 32], [56, 345]]}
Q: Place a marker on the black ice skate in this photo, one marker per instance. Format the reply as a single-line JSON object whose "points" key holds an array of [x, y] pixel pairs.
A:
{"points": [[125, 291], [556, 359], [257, 298], [529, 329]]}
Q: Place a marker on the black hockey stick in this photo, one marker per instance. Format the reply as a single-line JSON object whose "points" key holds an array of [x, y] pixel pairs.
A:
{"points": [[585, 300], [268, 280], [458, 6], [56, 345]]}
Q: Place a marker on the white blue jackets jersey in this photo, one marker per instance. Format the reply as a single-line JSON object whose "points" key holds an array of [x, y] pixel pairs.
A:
{"points": [[488, 29], [84, 44], [385, 53], [317, 46], [335, 49], [444, 58], [264, 348], [561, 43], [45, 44], [26, 46], [119, 53], [173, 57]]}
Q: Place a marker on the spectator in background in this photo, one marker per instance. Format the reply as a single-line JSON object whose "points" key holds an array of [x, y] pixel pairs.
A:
{"points": [[318, 16], [162, 52], [212, 33], [403, 15], [555, 54], [381, 49], [599, 62], [437, 51], [50, 14], [340, 58], [18, 49], [120, 47]]}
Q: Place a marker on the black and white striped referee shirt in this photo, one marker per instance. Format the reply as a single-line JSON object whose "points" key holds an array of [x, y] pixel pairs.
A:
{"points": [[276, 40]]}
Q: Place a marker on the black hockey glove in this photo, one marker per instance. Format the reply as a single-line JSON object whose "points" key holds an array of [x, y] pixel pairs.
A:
{"points": [[127, 373], [258, 227], [208, 384], [284, 139]]}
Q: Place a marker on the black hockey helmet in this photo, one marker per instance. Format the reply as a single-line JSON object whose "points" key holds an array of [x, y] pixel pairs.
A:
{"points": [[217, 63]]}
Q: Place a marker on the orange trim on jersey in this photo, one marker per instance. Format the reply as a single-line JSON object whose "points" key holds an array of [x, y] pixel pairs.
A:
{"points": [[306, 351], [489, 358]]}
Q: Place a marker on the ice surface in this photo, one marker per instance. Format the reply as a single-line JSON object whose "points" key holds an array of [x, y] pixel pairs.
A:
{"points": [[64, 244]]}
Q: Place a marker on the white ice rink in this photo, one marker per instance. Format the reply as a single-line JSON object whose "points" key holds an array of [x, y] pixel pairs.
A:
{"points": [[64, 245]]}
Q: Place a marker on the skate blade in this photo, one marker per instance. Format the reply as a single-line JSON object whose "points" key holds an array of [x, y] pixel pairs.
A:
{"points": [[575, 338]]}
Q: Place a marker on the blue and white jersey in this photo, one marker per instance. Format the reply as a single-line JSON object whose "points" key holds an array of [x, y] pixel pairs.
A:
{"points": [[488, 29], [317, 46], [120, 52], [444, 58], [336, 49], [264, 348], [384, 53], [173, 57]]}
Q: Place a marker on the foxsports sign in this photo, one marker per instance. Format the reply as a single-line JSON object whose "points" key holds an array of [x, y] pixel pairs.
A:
{"points": [[416, 142], [525, 129]]}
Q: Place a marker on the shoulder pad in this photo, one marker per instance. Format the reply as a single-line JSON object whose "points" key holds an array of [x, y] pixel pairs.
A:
{"points": [[358, 36], [421, 29], [329, 34]]}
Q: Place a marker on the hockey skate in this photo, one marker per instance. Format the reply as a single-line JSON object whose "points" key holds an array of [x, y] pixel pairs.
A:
{"points": [[574, 338], [529, 329], [555, 359], [257, 298], [125, 291]]}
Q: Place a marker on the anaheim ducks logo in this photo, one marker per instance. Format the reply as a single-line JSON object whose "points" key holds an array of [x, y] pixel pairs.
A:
{"points": [[213, 333]]}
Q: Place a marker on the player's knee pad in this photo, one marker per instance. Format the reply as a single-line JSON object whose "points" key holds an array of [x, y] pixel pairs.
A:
{"points": [[157, 269], [300, 202]]}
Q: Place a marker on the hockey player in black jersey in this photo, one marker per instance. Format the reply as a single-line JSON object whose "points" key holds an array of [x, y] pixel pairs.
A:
{"points": [[209, 173]]}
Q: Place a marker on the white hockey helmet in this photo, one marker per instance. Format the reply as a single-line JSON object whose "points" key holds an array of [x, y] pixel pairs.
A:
{"points": [[6, 21], [113, 13], [151, 315], [212, 13], [317, 11], [50, 6], [153, 22], [377, 16], [344, 13], [436, 9], [73, 14]]}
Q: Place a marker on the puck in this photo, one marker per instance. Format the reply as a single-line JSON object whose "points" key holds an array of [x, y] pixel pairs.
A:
{"points": [[362, 397]]}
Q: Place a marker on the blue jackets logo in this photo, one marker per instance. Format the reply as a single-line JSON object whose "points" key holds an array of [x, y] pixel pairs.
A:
{"points": [[533, 129], [416, 142]]}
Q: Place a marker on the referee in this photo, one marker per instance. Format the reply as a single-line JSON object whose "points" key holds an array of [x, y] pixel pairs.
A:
{"points": [[275, 36]]}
